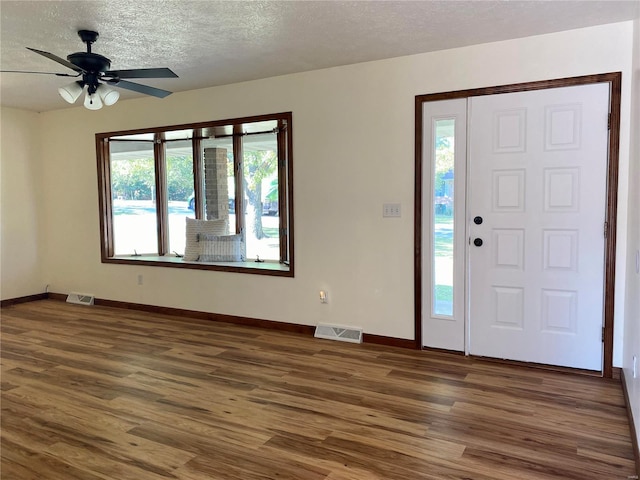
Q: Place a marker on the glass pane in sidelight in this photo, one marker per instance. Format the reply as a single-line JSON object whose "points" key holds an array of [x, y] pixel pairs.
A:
{"points": [[443, 217]]}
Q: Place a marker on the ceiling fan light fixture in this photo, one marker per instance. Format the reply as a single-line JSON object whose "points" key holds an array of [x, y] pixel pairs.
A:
{"points": [[108, 95], [71, 92], [92, 101]]}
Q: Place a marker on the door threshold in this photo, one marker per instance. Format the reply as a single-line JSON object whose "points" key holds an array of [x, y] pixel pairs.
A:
{"points": [[542, 366]]}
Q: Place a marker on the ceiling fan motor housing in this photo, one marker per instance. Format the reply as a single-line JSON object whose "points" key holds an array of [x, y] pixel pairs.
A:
{"points": [[93, 64], [90, 62]]}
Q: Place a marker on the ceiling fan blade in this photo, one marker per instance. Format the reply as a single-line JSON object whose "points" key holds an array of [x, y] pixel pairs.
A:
{"points": [[55, 58], [136, 87], [141, 73], [42, 73]]}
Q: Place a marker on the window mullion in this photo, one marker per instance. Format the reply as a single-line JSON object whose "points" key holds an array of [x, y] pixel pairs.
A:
{"points": [[106, 199], [282, 193], [161, 194], [198, 174], [238, 177]]}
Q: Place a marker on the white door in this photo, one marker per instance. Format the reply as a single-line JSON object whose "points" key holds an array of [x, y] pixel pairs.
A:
{"points": [[537, 183]]}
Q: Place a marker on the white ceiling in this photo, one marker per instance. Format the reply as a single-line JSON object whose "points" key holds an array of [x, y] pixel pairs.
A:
{"points": [[210, 42]]}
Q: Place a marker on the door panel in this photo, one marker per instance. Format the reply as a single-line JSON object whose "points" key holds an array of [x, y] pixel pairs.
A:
{"points": [[537, 177]]}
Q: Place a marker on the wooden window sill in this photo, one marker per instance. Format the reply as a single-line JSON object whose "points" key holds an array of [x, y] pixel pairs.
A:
{"points": [[251, 267]]}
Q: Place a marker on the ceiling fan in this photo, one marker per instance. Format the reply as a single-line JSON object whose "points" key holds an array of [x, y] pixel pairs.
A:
{"points": [[96, 76]]}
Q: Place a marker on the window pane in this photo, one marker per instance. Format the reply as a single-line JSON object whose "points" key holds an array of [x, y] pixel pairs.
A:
{"points": [[443, 215], [180, 194], [218, 188], [133, 193], [260, 170]]}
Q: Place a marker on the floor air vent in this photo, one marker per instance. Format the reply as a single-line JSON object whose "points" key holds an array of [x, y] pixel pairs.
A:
{"points": [[80, 299], [334, 332]]}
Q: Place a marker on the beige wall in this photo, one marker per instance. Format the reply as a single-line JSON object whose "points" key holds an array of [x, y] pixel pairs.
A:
{"points": [[353, 131], [632, 309], [20, 197]]}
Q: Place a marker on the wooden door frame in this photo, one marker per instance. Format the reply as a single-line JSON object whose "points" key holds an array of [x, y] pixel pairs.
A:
{"points": [[615, 81]]}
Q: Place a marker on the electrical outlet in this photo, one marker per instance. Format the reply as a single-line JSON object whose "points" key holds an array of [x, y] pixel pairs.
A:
{"points": [[391, 210], [140, 280]]}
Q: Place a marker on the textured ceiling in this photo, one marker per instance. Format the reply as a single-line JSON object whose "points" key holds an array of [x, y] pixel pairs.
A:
{"points": [[210, 43]]}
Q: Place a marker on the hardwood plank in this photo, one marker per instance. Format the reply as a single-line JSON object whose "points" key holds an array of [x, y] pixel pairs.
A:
{"points": [[101, 393], [22, 460]]}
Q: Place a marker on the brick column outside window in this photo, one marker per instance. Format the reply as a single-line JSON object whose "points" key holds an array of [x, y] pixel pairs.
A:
{"points": [[216, 188]]}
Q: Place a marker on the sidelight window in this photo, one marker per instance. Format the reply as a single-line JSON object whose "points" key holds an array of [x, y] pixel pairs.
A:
{"points": [[443, 217]]}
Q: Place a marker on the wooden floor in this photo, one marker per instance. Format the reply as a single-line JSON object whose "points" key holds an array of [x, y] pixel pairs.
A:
{"points": [[98, 393]]}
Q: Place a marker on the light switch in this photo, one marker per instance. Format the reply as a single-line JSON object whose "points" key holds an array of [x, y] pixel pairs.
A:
{"points": [[391, 210]]}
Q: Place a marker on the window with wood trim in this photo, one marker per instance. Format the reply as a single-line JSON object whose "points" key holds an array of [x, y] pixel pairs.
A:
{"points": [[235, 174]]}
